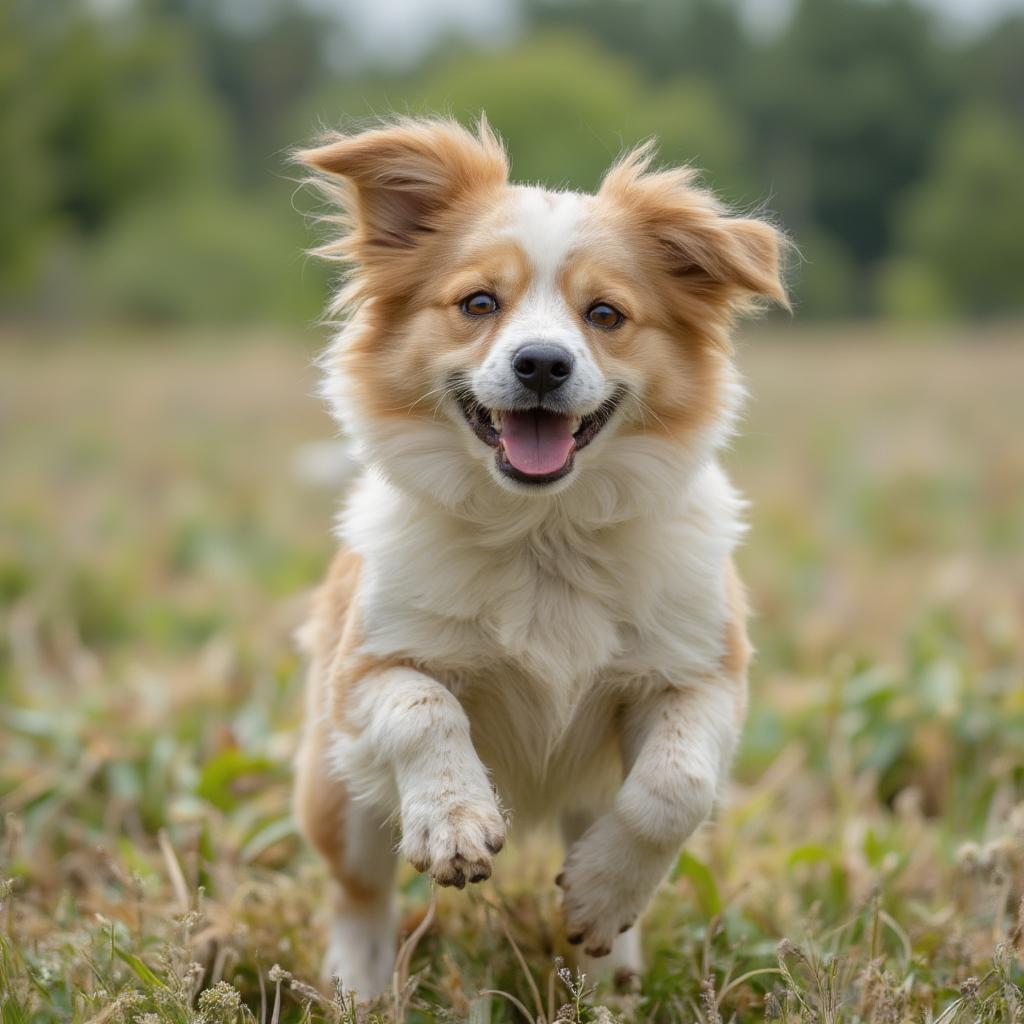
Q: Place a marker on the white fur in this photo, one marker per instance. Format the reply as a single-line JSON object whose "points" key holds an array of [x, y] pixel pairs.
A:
{"points": [[546, 225], [361, 945], [569, 643]]}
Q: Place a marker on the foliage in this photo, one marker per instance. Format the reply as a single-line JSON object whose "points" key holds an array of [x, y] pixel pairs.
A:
{"points": [[564, 120], [847, 122], [26, 175], [219, 259], [844, 107], [962, 226]]}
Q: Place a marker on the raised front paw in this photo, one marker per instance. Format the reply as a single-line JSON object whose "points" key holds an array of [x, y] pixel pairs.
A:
{"points": [[607, 881], [453, 841]]}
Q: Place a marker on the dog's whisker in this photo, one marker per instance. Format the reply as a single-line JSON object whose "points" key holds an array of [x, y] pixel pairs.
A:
{"points": [[646, 410], [444, 391]]}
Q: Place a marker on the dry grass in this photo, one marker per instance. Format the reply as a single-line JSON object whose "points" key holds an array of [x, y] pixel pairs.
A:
{"points": [[153, 549]]}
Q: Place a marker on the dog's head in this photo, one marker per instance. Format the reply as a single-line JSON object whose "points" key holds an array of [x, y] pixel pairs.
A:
{"points": [[503, 335]]}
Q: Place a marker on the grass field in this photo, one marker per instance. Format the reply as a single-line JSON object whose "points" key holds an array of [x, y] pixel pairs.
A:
{"points": [[155, 545]]}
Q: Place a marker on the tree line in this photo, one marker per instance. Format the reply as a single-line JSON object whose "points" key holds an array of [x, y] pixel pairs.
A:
{"points": [[147, 176]]}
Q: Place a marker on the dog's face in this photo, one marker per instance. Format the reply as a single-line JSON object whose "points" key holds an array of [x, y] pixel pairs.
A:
{"points": [[524, 331]]}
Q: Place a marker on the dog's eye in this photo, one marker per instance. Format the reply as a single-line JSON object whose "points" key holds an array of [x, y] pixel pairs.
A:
{"points": [[479, 304], [603, 315]]}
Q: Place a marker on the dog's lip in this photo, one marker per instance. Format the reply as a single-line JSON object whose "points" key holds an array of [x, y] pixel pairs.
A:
{"points": [[484, 423]]}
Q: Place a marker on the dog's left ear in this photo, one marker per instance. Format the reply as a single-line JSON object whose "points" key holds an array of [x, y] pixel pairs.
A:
{"points": [[392, 182], [716, 256]]}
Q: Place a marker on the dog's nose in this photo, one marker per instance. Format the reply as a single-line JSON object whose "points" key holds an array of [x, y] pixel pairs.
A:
{"points": [[542, 368]]}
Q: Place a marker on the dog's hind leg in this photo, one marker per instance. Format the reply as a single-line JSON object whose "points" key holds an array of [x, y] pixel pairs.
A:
{"points": [[355, 841], [625, 961]]}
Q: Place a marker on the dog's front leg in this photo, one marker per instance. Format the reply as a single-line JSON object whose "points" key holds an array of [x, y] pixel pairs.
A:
{"points": [[678, 745], [412, 736]]}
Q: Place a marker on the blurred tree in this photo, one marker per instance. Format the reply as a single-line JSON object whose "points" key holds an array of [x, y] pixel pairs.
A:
{"points": [[128, 115], [662, 38], [909, 291], [150, 109], [220, 259], [961, 230], [26, 175], [694, 125], [259, 65], [993, 67], [118, 115], [843, 109], [824, 279], [567, 108], [126, 197]]}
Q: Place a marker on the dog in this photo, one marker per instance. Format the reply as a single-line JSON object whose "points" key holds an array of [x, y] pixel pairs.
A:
{"points": [[534, 614]]}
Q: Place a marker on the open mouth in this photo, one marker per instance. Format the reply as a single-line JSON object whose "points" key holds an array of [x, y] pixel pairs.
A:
{"points": [[535, 446]]}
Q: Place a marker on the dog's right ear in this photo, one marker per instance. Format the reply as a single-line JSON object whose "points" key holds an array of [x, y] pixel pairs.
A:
{"points": [[392, 182]]}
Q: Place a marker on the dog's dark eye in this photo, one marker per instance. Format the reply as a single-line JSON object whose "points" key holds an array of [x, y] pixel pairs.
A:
{"points": [[603, 315], [479, 304]]}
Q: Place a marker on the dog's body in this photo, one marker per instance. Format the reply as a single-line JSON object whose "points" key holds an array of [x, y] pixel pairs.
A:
{"points": [[534, 611]]}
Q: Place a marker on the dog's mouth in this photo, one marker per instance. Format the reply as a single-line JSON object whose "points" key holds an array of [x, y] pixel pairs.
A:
{"points": [[535, 446]]}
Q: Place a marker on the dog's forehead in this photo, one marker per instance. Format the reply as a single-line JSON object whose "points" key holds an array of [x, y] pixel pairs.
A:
{"points": [[546, 225]]}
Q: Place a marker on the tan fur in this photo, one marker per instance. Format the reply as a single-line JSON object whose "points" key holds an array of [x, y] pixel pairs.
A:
{"points": [[334, 637], [396, 356], [651, 231], [320, 806], [738, 649]]}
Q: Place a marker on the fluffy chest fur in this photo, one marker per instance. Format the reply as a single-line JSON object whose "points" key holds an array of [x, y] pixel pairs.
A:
{"points": [[565, 601], [542, 624]]}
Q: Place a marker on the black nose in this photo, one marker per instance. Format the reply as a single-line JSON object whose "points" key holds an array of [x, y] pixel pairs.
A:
{"points": [[542, 368]]}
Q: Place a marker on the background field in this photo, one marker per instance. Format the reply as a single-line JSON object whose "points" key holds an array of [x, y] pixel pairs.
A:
{"points": [[155, 541]]}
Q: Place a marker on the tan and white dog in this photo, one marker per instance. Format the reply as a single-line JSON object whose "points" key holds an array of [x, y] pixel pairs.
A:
{"points": [[534, 613]]}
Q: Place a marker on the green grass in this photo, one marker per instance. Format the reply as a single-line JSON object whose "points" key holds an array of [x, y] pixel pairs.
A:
{"points": [[154, 549]]}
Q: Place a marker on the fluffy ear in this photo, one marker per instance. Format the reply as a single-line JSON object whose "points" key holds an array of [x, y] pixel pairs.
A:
{"points": [[730, 258], [392, 182]]}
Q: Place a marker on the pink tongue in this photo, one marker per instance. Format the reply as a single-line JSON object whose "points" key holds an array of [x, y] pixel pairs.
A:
{"points": [[536, 442]]}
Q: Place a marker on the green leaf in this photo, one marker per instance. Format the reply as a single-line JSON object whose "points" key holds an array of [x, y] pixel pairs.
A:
{"points": [[221, 773], [267, 836], [139, 969], [811, 853], [703, 881]]}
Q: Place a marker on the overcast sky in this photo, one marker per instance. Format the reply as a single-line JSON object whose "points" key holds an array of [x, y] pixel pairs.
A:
{"points": [[398, 31]]}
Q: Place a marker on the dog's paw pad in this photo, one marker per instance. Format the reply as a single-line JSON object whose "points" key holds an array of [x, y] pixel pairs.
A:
{"points": [[456, 845], [603, 893]]}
